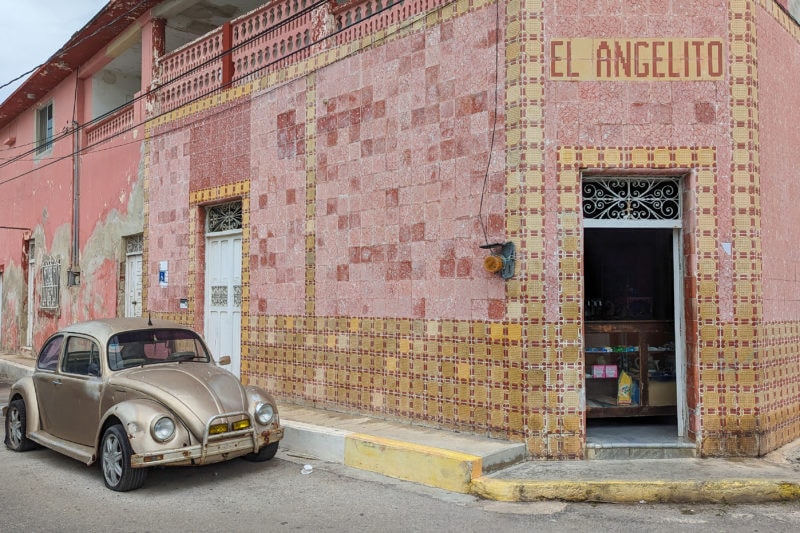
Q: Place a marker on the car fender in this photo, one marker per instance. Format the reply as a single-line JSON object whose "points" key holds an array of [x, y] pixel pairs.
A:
{"points": [[136, 417], [25, 389]]}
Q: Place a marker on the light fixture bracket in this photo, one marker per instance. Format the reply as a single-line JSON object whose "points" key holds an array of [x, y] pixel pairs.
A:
{"points": [[506, 251]]}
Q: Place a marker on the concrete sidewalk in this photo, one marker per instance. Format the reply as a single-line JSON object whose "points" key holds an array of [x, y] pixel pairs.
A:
{"points": [[498, 470]]}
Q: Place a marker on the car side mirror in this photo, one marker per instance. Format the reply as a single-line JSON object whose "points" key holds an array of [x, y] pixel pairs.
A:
{"points": [[224, 360]]}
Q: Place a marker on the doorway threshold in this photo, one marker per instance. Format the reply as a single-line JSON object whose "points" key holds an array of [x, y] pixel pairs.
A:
{"points": [[636, 439]]}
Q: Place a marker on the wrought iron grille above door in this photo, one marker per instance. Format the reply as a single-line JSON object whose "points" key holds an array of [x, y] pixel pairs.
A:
{"points": [[631, 198]]}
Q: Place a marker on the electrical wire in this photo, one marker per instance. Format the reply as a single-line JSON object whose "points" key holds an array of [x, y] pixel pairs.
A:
{"points": [[494, 120], [188, 73], [400, 28]]}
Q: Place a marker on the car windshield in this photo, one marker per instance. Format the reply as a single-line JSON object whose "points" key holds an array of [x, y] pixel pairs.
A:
{"points": [[152, 346]]}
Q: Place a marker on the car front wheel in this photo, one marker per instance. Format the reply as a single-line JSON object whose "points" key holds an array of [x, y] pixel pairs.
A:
{"points": [[264, 454], [116, 462], [16, 427]]}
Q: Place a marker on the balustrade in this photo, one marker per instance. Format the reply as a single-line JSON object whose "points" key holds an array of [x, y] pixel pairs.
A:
{"points": [[280, 33], [110, 126]]}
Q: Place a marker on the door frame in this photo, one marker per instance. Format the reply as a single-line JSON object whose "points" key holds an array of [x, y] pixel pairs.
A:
{"points": [[682, 415], [133, 281], [31, 294], [1, 308], [680, 331], [236, 358]]}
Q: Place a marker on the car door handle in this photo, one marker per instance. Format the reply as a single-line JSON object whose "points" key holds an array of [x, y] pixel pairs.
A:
{"points": [[56, 382]]}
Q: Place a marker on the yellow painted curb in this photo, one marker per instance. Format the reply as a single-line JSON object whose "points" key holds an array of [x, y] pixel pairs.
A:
{"points": [[430, 466], [725, 491]]}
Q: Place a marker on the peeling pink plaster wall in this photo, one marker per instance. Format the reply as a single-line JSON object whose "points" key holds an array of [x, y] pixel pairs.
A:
{"points": [[40, 188]]}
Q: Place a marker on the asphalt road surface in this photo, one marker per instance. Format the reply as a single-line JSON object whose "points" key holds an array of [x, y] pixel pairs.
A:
{"points": [[41, 490]]}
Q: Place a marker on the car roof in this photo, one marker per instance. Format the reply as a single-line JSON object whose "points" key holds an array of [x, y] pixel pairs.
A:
{"points": [[104, 328]]}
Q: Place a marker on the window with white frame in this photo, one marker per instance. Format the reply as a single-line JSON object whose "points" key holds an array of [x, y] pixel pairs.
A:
{"points": [[44, 128], [51, 268]]}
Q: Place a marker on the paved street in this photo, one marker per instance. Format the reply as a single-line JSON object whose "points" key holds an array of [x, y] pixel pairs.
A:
{"points": [[44, 491]]}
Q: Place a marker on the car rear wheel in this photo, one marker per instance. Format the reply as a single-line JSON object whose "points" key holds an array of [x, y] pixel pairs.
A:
{"points": [[264, 454], [16, 427], [116, 462]]}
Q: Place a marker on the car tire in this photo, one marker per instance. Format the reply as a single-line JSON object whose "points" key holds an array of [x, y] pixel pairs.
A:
{"points": [[115, 461], [264, 454], [17, 427]]}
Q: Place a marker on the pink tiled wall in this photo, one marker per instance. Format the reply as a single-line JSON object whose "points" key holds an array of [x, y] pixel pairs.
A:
{"points": [[403, 144], [636, 113], [779, 114], [168, 232], [364, 180], [278, 201]]}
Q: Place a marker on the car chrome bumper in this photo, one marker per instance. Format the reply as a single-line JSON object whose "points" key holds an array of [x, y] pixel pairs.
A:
{"points": [[211, 452]]}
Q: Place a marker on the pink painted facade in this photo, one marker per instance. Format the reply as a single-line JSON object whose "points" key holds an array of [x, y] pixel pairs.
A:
{"points": [[372, 153], [48, 189]]}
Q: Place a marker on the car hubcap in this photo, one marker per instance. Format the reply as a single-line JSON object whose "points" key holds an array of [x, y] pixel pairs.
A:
{"points": [[112, 459], [14, 428]]}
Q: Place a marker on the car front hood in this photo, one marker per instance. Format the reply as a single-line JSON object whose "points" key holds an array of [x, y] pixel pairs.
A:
{"points": [[193, 391]]}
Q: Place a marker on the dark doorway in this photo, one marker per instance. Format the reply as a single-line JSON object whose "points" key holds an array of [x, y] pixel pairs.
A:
{"points": [[628, 274], [629, 329]]}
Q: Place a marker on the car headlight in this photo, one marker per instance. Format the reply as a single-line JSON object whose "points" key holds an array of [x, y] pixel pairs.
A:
{"points": [[264, 413], [163, 429]]}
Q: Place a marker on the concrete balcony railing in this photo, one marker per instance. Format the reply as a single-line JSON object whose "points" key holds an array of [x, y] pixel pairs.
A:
{"points": [[111, 126], [278, 34], [358, 19]]}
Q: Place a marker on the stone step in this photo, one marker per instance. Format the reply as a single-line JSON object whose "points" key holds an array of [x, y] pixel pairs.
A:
{"points": [[628, 450]]}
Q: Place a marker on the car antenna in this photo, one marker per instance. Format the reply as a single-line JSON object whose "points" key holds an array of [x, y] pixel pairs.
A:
{"points": [[149, 320]]}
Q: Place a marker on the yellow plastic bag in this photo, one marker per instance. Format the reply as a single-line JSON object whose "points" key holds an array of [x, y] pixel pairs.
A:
{"points": [[624, 388]]}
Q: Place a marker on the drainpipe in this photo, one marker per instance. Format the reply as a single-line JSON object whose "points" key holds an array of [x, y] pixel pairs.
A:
{"points": [[74, 272]]}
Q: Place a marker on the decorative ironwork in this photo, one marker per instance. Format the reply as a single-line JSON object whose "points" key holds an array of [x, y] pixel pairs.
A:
{"points": [[225, 217], [622, 198], [219, 295], [134, 244], [51, 281], [237, 295]]}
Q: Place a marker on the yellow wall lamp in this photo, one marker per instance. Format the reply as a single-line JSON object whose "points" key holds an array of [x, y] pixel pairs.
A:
{"points": [[502, 259]]}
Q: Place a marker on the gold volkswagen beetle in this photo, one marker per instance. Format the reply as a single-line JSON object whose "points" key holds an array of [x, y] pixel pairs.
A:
{"points": [[135, 393]]}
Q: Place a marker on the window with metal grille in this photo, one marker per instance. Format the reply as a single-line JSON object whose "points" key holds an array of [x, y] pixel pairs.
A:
{"points": [[51, 268], [134, 244], [224, 217], [631, 198]]}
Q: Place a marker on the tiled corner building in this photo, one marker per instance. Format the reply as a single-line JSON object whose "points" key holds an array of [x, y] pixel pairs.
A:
{"points": [[371, 172]]}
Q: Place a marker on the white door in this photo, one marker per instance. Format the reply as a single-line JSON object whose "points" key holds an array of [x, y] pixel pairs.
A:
{"points": [[223, 296], [31, 305], [133, 285]]}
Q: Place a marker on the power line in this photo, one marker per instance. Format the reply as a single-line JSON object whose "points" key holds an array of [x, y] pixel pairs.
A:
{"points": [[399, 29]]}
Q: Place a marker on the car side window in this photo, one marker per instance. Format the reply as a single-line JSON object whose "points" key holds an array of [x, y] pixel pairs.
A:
{"points": [[48, 357], [82, 357]]}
